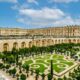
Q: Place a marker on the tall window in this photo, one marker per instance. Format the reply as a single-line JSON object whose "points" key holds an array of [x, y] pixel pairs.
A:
{"points": [[5, 47]]}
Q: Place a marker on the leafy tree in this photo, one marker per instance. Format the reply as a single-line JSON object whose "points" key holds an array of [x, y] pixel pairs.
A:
{"points": [[49, 76], [31, 72], [1, 65], [20, 64], [22, 77], [60, 79], [43, 76], [52, 67], [17, 75], [13, 71], [27, 69], [7, 67], [37, 73]]}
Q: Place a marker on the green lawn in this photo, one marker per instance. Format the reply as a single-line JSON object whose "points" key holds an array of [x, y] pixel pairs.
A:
{"points": [[43, 63]]}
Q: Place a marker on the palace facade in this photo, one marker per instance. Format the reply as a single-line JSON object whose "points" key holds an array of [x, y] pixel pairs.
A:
{"points": [[20, 38]]}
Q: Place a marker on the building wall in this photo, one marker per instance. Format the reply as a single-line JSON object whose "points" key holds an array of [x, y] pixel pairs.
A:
{"points": [[66, 31], [13, 31], [10, 43], [59, 34], [36, 42]]}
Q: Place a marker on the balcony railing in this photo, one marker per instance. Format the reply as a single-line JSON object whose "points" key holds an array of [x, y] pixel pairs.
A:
{"points": [[34, 36]]}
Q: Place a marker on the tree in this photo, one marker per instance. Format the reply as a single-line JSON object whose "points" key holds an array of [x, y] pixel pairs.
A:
{"points": [[49, 76], [65, 78], [20, 71], [13, 71], [1, 55], [4, 56], [1, 65], [15, 53], [78, 77], [31, 72], [60, 79], [10, 59], [17, 58], [37, 73], [7, 67], [17, 75], [52, 67], [27, 69], [43, 76], [22, 77]]}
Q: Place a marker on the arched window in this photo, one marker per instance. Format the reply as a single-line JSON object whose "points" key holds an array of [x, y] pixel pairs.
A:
{"points": [[48, 43], [78, 41], [74, 41], [55, 41], [37, 42], [58, 41], [5, 47], [43, 43], [52, 42], [69, 40], [30, 44], [23, 45], [15, 45]]}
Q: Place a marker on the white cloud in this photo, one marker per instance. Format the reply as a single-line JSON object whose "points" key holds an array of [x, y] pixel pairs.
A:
{"points": [[21, 20], [67, 20], [64, 1], [18, 7], [46, 17], [45, 13], [15, 7], [11, 1], [32, 1], [48, 23]]}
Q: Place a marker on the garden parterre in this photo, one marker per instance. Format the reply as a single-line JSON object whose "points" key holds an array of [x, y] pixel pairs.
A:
{"points": [[42, 62]]}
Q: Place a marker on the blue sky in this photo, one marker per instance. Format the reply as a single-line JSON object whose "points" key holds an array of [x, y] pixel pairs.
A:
{"points": [[39, 13]]}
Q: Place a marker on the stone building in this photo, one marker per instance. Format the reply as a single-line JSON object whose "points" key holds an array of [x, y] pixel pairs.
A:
{"points": [[20, 38]]}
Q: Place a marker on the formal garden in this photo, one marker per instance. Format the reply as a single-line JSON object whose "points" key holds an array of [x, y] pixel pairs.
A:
{"points": [[42, 62], [55, 62]]}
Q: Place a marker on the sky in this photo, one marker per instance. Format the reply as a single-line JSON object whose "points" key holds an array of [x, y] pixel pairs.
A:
{"points": [[39, 13]]}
